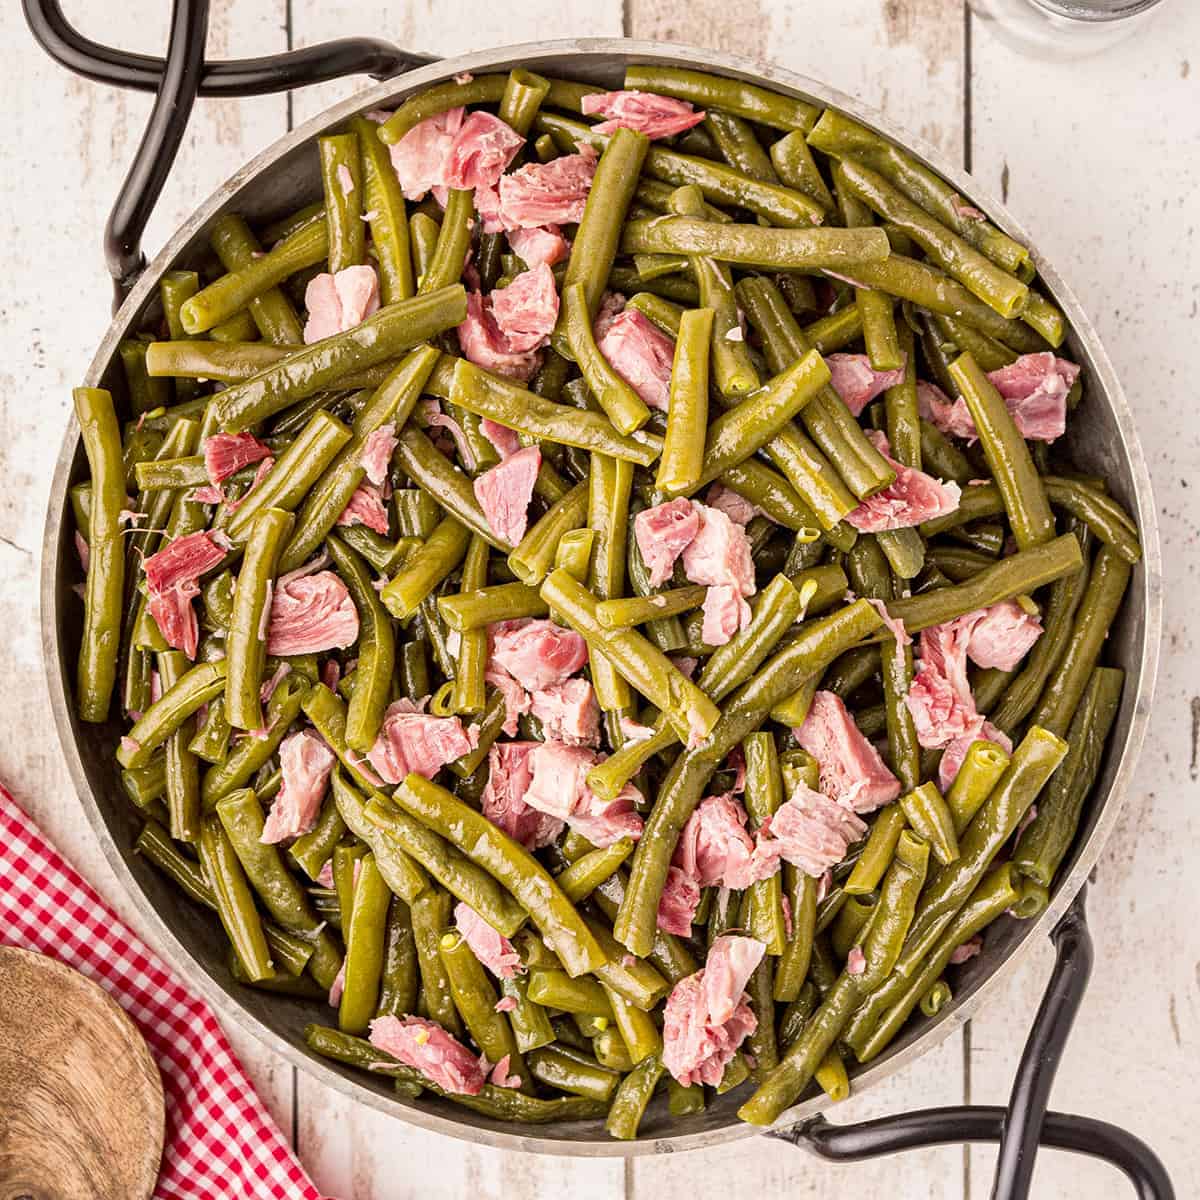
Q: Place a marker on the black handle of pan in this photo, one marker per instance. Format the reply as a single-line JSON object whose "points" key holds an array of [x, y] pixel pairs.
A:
{"points": [[177, 80], [1024, 1124]]}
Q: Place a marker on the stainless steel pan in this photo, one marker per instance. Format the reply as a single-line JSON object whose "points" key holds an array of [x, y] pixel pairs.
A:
{"points": [[1103, 440]]}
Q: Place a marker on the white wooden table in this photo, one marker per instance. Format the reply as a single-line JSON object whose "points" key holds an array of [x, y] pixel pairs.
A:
{"points": [[1101, 159]]}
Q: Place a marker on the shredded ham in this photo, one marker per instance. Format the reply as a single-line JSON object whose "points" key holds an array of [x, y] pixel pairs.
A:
{"points": [[483, 342], [413, 741], [714, 848], [810, 831], [173, 580], [553, 193], [856, 961], [227, 453], [376, 454], [339, 301], [311, 614], [913, 497], [500, 1076], [734, 505], [954, 754], [678, 902], [725, 612], [480, 152], [542, 245], [537, 653], [641, 354], [663, 533], [857, 382], [526, 310], [366, 507], [503, 799], [568, 712], [506, 441], [559, 789], [505, 490], [492, 949], [305, 762], [516, 699], [852, 772], [420, 156], [426, 1047], [967, 951], [655, 116]]}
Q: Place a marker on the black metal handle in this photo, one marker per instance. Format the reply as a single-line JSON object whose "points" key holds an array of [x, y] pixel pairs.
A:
{"points": [[1024, 1124], [178, 79]]}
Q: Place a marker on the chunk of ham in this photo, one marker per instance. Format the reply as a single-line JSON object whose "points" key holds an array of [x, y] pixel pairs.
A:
{"points": [[503, 799], [500, 1076], [504, 492], [559, 789], [810, 831], [733, 504], [542, 245], [340, 301], [305, 762], [725, 612], [1002, 635], [483, 342], [479, 152], [173, 580], [227, 453], [366, 507], [714, 848], [1034, 388], [719, 554], [506, 441], [856, 961], [655, 116], [678, 902], [264, 469], [857, 382], [911, 498], [527, 309], [492, 949], [516, 699], [376, 454], [537, 653], [412, 741], [568, 712], [641, 354], [698, 1042], [426, 1047], [967, 951], [852, 773], [612, 305], [662, 533], [553, 193], [311, 614], [420, 156]]}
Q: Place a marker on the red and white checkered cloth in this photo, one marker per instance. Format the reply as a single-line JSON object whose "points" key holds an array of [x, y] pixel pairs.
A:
{"points": [[220, 1140]]}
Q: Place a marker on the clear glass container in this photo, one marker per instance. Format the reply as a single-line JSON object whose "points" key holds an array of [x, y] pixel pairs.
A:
{"points": [[1060, 29]]}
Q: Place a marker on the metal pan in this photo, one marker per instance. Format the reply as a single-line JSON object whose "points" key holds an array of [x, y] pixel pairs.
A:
{"points": [[1102, 440]]}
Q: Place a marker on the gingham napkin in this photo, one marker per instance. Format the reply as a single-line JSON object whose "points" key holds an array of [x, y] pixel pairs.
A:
{"points": [[220, 1140]]}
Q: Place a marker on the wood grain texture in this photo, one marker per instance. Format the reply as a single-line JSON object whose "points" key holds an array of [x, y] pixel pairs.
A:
{"points": [[1116, 214], [81, 1101]]}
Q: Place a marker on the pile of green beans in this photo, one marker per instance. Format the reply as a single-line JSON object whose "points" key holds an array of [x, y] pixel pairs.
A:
{"points": [[772, 235]]}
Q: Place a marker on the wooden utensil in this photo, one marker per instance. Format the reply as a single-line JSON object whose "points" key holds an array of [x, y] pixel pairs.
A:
{"points": [[81, 1101]]}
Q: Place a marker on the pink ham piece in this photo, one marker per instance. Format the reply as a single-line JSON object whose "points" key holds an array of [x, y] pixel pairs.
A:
{"points": [[857, 382], [268, 689], [366, 507], [500, 1076], [939, 698], [810, 831], [537, 653], [543, 245], [411, 741], [338, 986], [305, 762], [504, 492], [912, 498], [734, 505], [173, 579], [635, 731], [227, 453], [559, 789], [481, 149], [1034, 388], [856, 961], [376, 454], [483, 342], [526, 310], [210, 494], [697, 1043], [719, 554], [311, 614], [967, 951], [516, 699], [420, 156], [678, 903], [663, 533], [953, 755], [82, 550], [655, 116], [612, 305], [553, 193], [641, 354], [264, 469], [725, 612], [426, 1047], [503, 799], [1002, 635], [714, 848], [505, 440], [492, 949], [852, 773], [338, 302], [505, 1004], [568, 712]]}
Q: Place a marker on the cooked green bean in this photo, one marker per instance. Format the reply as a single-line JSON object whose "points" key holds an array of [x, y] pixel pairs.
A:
{"points": [[342, 183], [269, 309], [931, 818], [385, 212], [475, 998], [441, 552], [629, 1104], [682, 461], [235, 904]]}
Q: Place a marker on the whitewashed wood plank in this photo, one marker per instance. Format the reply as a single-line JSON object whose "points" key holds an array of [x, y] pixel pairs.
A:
{"points": [[1099, 159], [60, 177]]}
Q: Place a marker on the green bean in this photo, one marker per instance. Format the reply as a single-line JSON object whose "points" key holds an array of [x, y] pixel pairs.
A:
{"points": [[1033, 762], [478, 89], [629, 1104], [1045, 842], [627, 611], [357, 1052], [171, 473], [100, 641], [342, 184], [990, 354], [586, 874], [831, 1076], [792, 968], [771, 492], [453, 244], [469, 694], [572, 1072], [1102, 515], [174, 288], [1007, 454], [182, 778], [310, 369], [599, 233], [509, 404], [246, 647], [196, 687], [441, 553], [763, 795], [423, 233], [880, 849], [146, 394], [739, 146], [146, 784], [553, 988], [312, 850], [155, 843], [430, 912], [385, 212], [847, 927], [682, 460], [931, 818], [983, 766], [530, 1024], [510, 864], [398, 977], [1094, 616], [794, 164], [235, 904], [240, 255], [466, 611]]}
